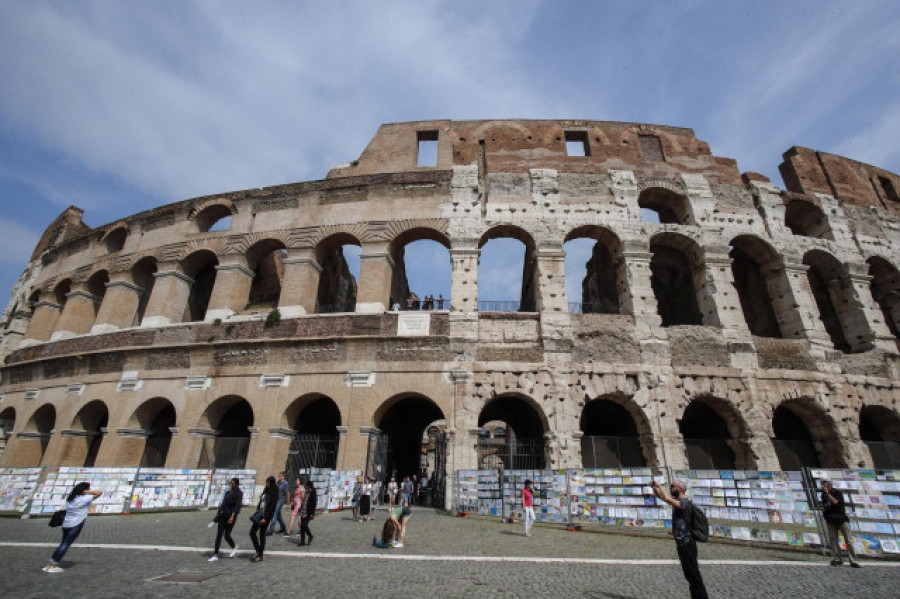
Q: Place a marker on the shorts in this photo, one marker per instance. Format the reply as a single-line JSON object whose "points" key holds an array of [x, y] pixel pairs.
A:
{"points": [[405, 513]]}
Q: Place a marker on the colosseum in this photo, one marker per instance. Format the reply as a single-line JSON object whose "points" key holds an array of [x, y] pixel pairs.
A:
{"points": [[724, 322]]}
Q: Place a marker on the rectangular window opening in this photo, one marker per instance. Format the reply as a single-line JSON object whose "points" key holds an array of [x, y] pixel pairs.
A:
{"points": [[428, 148], [577, 144], [651, 148]]}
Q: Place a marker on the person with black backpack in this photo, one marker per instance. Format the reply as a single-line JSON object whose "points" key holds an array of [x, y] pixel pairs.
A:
{"points": [[684, 519]]}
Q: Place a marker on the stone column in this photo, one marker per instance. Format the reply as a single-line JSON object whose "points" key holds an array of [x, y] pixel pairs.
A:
{"points": [[119, 305], [43, 322], [231, 289], [864, 321], [376, 271], [719, 301], [637, 293], [171, 290], [300, 286], [795, 308], [78, 314], [556, 323], [125, 449]]}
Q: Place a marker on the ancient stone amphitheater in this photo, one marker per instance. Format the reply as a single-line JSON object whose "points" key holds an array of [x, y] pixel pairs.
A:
{"points": [[724, 323]]}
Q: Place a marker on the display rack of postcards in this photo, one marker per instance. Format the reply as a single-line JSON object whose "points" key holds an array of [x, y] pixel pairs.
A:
{"points": [[615, 497], [550, 494], [114, 483], [169, 488], [220, 481], [490, 493], [467, 491], [873, 505], [750, 505], [17, 486], [336, 488]]}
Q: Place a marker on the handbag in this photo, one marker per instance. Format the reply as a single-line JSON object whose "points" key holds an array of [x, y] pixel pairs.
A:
{"points": [[257, 516], [57, 518]]}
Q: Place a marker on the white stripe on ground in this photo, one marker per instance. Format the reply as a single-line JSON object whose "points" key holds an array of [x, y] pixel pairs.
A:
{"points": [[390, 554]]}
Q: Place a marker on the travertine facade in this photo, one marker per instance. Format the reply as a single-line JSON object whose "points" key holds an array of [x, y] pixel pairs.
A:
{"points": [[748, 319]]}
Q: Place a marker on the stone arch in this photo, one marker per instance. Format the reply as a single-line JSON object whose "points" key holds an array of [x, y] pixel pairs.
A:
{"points": [[40, 425], [60, 291], [755, 268], [879, 429], [885, 288], [142, 275], [404, 418], [266, 259], [85, 435], [616, 433], [114, 237], [675, 264], [207, 213], [230, 419], [668, 201], [155, 417], [806, 218], [835, 299], [528, 293], [337, 285], [201, 267], [7, 423], [314, 420], [401, 293], [526, 424], [605, 282], [806, 436], [715, 435]]}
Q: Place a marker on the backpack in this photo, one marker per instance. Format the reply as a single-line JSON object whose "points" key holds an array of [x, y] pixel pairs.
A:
{"points": [[699, 524]]}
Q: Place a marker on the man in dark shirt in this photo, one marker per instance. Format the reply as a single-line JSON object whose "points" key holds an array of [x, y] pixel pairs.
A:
{"points": [[835, 514], [284, 496], [681, 530]]}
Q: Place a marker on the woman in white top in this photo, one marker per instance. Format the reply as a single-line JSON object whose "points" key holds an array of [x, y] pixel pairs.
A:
{"points": [[77, 506], [392, 491]]}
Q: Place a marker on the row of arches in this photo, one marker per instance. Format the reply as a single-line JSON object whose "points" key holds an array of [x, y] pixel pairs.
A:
{"points": [[682, 278], [513, 433]]}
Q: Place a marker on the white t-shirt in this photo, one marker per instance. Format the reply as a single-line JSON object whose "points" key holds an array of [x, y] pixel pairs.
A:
{"points": [[77, 510]]}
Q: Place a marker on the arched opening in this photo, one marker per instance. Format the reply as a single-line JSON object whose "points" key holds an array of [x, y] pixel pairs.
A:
{"points": [[61, 292], [398, 449], [90, 422], [266, 260], [200, 266], [712, 432], [594, 271], [835, 301], [231, 417], [7, 422], [885, 288], [806, 219], [507, 281], [422, 271], [214, 218], [142, 275], [611, 438], [748, 254], [41, 424], [879, 429], [805, 437], [156, 417], [96, 286], [115, 239], [314, 420], [338, 256], [672, 278], [669, 207], [523, 445]]}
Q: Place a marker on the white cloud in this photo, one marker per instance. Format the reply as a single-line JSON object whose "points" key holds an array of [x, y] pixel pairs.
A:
{"points": [[16, 242]]}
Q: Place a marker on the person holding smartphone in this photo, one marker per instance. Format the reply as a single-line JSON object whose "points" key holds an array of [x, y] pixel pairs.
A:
{"points": [[682, 512]]}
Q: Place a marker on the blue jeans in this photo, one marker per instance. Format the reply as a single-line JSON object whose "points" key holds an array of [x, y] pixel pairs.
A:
{"points": [[69, 536], [278, 518]]}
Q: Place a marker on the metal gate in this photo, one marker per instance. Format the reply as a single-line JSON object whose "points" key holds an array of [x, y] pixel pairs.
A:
{"points": [[439, 477], [310, 450], [377, 456], [511, 454]]}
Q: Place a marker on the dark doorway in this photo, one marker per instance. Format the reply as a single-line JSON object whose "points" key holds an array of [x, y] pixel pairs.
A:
{"points": [[522, 445], [403, 425], [157, 447], [706, 438], [793, 442], [610, 437]]}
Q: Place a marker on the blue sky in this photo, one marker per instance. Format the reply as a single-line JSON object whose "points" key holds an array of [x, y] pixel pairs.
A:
{"points": [[118, 107]]}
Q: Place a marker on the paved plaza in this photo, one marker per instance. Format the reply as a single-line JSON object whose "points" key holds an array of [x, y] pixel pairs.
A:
{"points": [[444, 556]]}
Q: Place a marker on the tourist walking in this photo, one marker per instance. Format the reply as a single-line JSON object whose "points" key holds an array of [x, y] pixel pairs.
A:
{"points": [[835, 514], [307, 513], [528, 507], [682, 515], [365, 501], [284, 496], [299, 492], [407, 490], [265, 511], [78, 504], [392, 492], [355, 496], [229, 508]]}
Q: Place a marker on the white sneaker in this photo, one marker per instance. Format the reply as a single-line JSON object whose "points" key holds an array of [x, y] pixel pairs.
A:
{"points": [[233, 552], [214, 558], [53, 569], [398, 545]]}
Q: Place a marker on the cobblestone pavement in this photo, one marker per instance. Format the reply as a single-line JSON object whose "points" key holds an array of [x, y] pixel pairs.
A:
{"points": [[444, 556]]}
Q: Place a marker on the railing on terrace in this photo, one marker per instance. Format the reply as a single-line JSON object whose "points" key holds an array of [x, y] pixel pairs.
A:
{"points": [[501, 306]]}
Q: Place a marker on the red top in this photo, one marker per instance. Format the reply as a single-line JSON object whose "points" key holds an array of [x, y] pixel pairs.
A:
{"points": [[527, 497]]}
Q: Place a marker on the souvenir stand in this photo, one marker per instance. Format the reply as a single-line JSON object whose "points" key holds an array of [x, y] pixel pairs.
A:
{"points": [[17, 485], [616, 497], [220, 481], [114, 483], [169, 488]]}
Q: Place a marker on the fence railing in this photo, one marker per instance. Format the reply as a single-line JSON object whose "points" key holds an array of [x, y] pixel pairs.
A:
{"points": [[499, 306], [612, 452]]}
